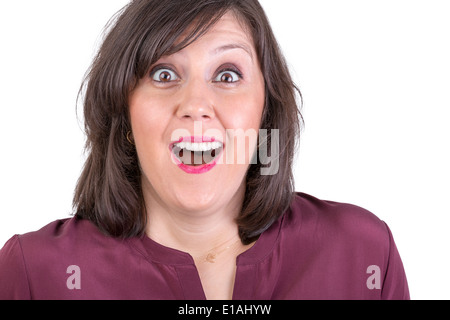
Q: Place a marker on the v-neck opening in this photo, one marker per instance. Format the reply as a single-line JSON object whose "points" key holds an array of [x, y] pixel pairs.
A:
{"points": [[187, 272]]}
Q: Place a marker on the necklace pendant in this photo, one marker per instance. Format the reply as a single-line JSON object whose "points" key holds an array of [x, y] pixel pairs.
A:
{"points": [[210, 257]]}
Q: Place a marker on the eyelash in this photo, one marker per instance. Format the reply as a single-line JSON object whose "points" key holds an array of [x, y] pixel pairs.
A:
{"points": [[160, 68], [223, 70], [230, 69]]}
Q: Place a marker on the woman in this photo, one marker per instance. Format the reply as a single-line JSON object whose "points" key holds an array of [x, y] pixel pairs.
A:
{"points": [[179, 198]]}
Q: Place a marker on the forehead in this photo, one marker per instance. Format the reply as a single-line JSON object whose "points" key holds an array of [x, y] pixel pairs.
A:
{"points": [[227, 33], [229, 25]]}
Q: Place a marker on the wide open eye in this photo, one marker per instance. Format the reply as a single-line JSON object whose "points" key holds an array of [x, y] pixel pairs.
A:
{"points": [[228, 76], [164, 75]]}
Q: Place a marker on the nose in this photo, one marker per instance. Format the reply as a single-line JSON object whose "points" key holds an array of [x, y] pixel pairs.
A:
{"points": [[196, 103]]}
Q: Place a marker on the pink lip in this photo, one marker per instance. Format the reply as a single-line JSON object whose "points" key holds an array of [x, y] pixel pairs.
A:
{"points": [[193, 169], [198, 169]]}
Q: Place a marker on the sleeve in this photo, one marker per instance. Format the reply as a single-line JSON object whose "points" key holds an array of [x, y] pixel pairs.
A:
{"points": [[13, 274], [395, 284]]}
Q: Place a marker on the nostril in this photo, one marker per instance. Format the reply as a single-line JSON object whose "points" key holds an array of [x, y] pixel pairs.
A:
{"points": [[194, 109]]}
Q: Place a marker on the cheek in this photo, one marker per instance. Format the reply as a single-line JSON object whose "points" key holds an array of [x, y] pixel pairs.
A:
{"points": [[242, 122], [148, 124], [147, 118], [245, 112]]}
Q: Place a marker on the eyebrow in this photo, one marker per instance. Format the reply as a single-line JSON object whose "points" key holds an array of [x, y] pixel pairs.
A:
{"points": [[232, 46]]}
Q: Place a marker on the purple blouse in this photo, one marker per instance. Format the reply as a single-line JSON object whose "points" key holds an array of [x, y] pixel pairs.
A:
{"points": [[316, 250]]}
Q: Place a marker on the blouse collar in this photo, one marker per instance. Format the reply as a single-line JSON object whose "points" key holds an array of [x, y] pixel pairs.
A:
{"points": [[158, 253]]}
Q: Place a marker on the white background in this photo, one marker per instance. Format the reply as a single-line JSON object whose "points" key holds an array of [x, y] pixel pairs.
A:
{"points": [[375, 77]]}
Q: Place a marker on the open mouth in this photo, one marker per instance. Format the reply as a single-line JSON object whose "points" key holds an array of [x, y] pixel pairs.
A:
{"points": [[197, 154]]}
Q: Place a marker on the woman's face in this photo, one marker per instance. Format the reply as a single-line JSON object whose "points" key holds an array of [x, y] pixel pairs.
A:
{"points": [[189, 116]]}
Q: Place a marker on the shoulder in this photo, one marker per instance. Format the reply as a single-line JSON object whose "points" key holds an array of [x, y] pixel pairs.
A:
{"points": [[14, 280], [50, 242], [309, 209], [65, 241], [37, 263], [36, 242], [341, 245], [335, 221], [59, 236]]}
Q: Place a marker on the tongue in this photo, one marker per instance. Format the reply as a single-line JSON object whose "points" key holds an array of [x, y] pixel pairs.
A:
{"points": [[196, 158], [191, 158]]}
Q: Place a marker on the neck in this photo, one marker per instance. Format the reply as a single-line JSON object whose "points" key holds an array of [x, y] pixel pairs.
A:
{"points": [[195, 237], [197, 233]]}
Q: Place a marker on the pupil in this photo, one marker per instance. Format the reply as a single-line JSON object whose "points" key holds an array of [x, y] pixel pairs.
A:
{"points": [[165, 76], [227, 78]]}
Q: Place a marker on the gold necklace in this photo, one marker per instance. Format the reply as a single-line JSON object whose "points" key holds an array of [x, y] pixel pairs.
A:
{"points": [[211, 256]]}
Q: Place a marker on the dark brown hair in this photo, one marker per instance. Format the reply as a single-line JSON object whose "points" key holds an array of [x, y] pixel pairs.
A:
{"points": [[109, 191]]}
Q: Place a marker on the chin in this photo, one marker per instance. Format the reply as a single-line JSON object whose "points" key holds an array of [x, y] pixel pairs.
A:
{"points": [[194, 201]]}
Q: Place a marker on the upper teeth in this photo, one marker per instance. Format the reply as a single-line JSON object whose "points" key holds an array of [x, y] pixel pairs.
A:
{"points": [[196, 146]]}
